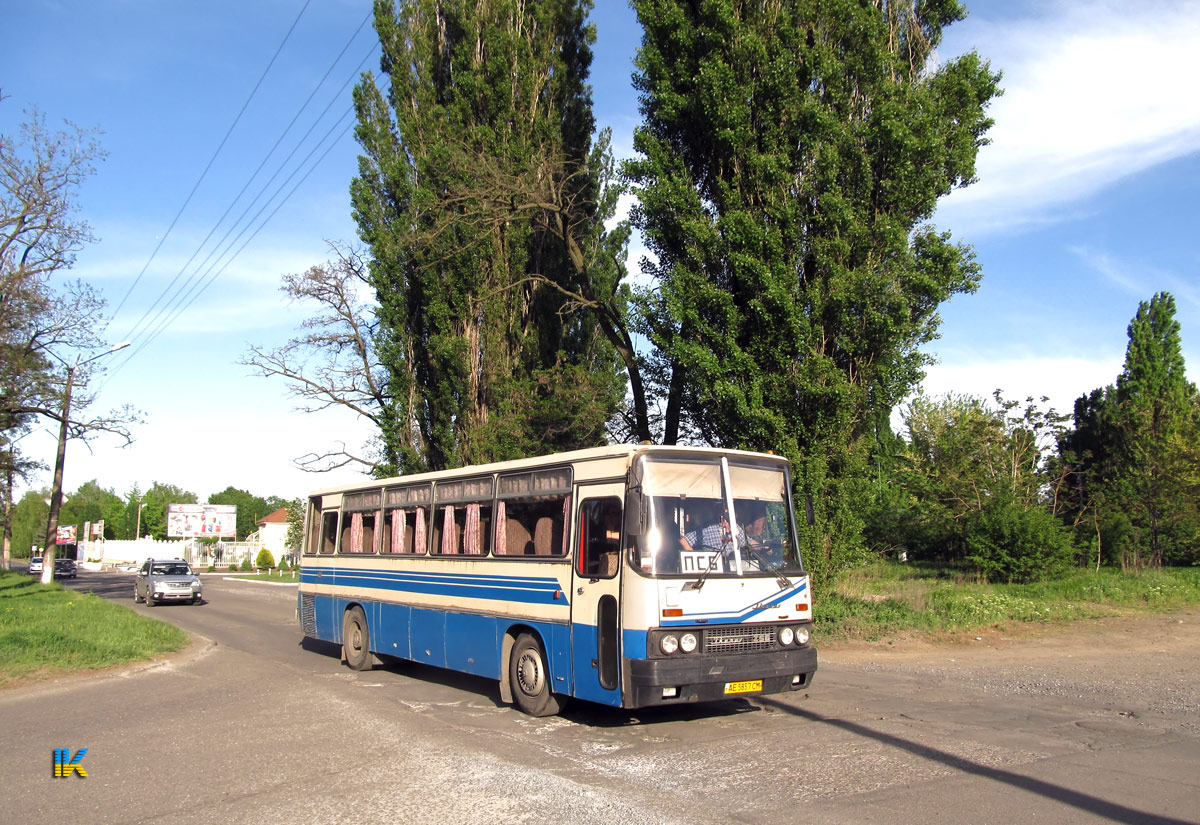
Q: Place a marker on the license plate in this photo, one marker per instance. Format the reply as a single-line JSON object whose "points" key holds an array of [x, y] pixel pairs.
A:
{"points": [[743, 687]]}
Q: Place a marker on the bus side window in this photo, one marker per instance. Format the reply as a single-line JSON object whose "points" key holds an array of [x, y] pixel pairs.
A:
{"points": [[462, 529], [329, 531], [358, 533], [532, 526], [600, 544]]}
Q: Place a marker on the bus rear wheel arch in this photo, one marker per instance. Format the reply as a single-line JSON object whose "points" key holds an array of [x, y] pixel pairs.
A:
{"points": [[529, 678], [356, 639]]}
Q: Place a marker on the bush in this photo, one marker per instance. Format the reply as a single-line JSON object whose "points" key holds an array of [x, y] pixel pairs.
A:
{"points": [[246, 567], [1008, 542], [265, 560], [283, 565]]}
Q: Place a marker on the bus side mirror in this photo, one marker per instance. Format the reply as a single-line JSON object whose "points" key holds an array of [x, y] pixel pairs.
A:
{"points": [[633, 513]]}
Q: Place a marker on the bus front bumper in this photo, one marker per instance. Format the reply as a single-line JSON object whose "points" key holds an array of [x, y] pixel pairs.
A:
{"points": [[707, 678]]}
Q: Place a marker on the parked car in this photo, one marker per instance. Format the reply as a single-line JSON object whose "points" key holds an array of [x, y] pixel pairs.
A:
{"points": [[35, 566], [65, 568], [167, 580]]}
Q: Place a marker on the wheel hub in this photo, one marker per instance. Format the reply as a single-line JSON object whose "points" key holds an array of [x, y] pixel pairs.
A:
{"points": [[529, 674]]}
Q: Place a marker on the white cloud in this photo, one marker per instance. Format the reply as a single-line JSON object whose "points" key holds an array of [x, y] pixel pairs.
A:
{"points": [[1060, 380], [1093, 92], [208, 443]]}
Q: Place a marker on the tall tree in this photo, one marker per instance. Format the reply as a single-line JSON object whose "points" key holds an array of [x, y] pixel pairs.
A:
{"points": [[46, 327], [1133, 449], [1157, 404], [479, 196], [29, 522], [792, 152], [93, 503]]}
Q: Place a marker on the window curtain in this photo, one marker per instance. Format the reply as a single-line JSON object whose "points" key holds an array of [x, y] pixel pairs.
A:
{"points": [[356, 533], [471, 543], [448, 547], [501, 530], [398, 517]]}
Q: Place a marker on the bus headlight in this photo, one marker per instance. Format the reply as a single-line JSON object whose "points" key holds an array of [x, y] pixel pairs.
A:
{"points": [[688, 642], [669, 644], [802, 635], [786, 636]]}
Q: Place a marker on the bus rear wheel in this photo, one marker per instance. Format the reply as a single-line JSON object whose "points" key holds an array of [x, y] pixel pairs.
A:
{"points": [[356, 639], [529, 678]]}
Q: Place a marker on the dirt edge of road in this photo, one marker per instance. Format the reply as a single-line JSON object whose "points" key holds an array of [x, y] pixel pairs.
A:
{"points": [[1031, 642]]}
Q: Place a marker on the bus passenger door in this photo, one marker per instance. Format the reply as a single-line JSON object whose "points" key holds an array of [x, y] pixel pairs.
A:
{"points": [[596, 584]]}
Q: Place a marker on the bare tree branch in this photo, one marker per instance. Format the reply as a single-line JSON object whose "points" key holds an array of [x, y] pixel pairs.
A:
{"points": [[334, 363]]}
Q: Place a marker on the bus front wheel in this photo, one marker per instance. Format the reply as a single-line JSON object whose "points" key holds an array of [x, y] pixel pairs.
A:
{"points": [[356, 639], [529, 678]]}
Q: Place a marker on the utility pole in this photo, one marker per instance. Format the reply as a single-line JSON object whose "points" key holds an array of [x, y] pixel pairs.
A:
{"points": [[56, 493]]}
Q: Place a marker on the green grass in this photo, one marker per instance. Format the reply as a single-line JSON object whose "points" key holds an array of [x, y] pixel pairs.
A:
{"points": [[47, 630], [887, 599]]}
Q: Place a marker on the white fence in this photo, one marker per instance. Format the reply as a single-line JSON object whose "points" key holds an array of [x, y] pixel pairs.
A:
{"points": [[220, 554]]}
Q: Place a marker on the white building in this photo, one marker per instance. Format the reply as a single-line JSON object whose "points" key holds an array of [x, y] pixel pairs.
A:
{"points": [[272, 533]]}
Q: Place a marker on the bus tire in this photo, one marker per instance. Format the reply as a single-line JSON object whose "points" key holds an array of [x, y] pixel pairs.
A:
{"points": [[356, 639], [529, 678]]}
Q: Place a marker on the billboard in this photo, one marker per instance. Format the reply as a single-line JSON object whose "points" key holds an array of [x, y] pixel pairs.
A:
{"points": [[65, 534], [212, 520]]}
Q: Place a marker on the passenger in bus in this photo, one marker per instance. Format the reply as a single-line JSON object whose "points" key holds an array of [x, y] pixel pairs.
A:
{"points": [[713, 532]]}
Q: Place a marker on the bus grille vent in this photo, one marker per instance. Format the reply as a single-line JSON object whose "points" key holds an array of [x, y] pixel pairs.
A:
{"points": [[308, 615], [738, 639]]}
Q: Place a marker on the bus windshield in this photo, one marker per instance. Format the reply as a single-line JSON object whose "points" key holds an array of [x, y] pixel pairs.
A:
{"points": [[715, 517]]}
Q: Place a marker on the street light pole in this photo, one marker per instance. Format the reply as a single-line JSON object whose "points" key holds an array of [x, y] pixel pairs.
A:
{"points": [[56, 493]]}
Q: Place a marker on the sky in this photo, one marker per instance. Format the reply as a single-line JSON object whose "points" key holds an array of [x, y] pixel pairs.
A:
{"points": [[1085, 204]]}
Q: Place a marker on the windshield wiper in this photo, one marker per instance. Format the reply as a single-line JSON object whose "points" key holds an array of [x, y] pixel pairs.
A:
{"points": [[781, 579], [698, 583]]}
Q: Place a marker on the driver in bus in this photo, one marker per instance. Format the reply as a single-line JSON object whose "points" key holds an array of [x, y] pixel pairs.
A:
{"points": [[715, 535]]}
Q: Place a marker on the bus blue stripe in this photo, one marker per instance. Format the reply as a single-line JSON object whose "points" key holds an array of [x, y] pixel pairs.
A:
{"points": [[521, 589]]}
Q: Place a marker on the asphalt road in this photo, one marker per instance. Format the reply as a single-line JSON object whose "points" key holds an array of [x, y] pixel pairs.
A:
{"points": [[253, 725]]}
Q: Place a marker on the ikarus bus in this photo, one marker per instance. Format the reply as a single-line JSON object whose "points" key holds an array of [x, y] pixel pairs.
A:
{"points": [[626, 575]]}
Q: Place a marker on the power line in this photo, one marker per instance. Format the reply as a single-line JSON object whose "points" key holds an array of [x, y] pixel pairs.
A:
{"points": [[183, 307], [194, 285], [203, 174], [132, 334]]}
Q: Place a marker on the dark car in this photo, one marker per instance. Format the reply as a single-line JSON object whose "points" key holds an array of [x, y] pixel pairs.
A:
{"points": [[65, 568]]}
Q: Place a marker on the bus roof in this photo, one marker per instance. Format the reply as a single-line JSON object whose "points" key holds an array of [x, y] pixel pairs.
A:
{"points": [[551, 459]]}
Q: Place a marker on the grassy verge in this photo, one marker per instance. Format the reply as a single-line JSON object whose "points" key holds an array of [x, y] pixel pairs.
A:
{"points": [[887, 599], [47, 630]]}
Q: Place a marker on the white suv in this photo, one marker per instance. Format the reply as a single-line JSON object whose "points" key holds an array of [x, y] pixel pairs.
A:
{"points": [[166, 580]]}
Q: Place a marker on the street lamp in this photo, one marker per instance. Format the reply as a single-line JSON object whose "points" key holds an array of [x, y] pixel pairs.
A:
{"points": [[56, 491]]}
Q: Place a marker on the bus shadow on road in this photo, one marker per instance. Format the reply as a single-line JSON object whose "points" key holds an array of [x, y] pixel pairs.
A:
{"points": [[602, 716], [577, 711], [1076, 799]]}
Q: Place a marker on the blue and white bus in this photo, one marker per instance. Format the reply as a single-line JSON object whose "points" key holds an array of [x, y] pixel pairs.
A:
{"points": [[625, 575]]}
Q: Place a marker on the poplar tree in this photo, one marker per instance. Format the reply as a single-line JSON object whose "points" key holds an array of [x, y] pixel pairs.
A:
{"points": [[1133, 450], [478, 185], [1157, 406], [791, 154]]}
